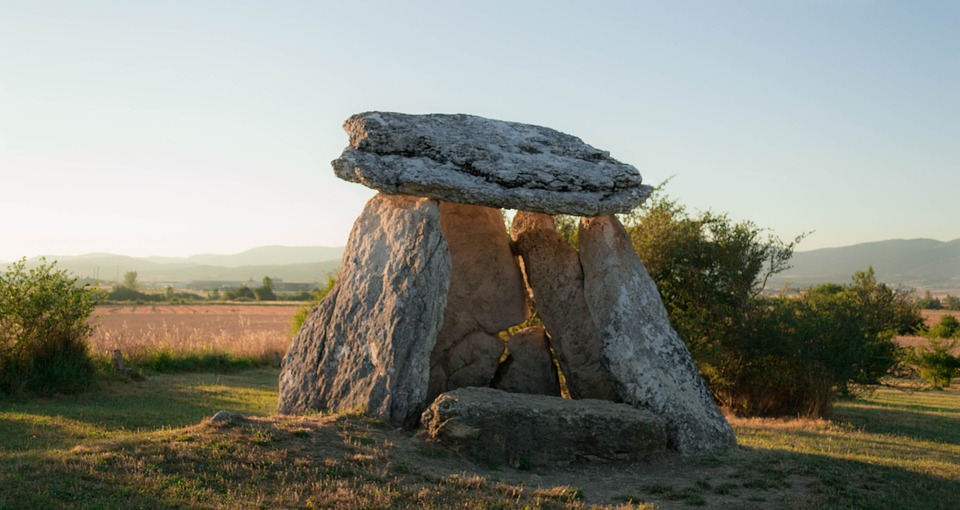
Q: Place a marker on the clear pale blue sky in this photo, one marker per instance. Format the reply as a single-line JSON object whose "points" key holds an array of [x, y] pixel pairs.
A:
{"points": [[181, 127]]}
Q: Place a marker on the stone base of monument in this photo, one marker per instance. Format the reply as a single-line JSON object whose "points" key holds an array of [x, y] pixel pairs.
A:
{"points": [[520, 430]]}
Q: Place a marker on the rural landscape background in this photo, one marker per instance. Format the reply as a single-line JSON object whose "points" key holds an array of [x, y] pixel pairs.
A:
{"points": [[168, 218], [143, 436], [917, 264]]}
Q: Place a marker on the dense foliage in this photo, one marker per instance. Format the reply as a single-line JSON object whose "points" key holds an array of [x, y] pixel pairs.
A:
{"points": [[44, 331], [760, 355], [935, 361]]}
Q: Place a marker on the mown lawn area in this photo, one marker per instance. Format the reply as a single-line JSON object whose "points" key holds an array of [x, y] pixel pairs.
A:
{"points": [[151, 444]]}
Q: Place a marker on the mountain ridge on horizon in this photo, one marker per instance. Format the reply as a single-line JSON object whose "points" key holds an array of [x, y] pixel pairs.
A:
{"points": [[290, 263], [922, 263]]}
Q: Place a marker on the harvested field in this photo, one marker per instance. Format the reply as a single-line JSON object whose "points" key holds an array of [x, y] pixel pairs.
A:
{"points": [[930, 317], [255, 331]]}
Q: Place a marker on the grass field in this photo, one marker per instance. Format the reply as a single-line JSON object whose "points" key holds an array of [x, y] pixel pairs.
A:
{"points": [[151, 445], [145, 332]]}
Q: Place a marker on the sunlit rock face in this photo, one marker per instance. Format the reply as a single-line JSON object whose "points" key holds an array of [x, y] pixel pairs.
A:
{"points": [[644, 359], [431, 285], [367, 345], [487, 295], [552, 268], [474, 160]]}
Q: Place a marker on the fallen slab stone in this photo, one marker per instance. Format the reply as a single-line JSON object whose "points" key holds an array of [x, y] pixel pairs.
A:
{"points": [[496, 427], [474, 160]]}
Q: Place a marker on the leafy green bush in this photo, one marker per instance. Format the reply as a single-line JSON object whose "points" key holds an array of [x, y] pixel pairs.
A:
{"points": [[44, 331], [951, 302], [759, 355], [935, 362], [948, 327]]}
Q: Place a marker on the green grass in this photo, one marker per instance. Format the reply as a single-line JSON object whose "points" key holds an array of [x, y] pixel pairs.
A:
{"points": [[893, 449], [150, 445], [167, 360]]}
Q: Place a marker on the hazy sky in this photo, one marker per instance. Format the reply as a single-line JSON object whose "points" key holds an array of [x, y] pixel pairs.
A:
{"points": [[181, 127]]}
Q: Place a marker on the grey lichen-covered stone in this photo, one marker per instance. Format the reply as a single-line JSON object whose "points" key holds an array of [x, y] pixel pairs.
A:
{"points": [[529, 366], [552, 268], [487, 295], [474, 160], [647, 363], [492, 426], [367, 344]]}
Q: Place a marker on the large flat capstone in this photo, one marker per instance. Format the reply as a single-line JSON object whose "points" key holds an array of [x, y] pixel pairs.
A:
{"points": [[474, 160], [496, 427]]}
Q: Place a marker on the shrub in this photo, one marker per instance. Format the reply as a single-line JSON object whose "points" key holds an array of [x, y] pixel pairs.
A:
{"points": [[951, 302], [759, 355], [935, 362], [948, 327], [44, 331]]}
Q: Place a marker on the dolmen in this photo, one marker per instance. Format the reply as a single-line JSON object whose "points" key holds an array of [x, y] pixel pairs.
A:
{"points": [[434, 292]]}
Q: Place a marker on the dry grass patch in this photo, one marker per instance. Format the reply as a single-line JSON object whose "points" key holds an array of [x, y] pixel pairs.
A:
{"points": [[144, 333], [152, 445]]}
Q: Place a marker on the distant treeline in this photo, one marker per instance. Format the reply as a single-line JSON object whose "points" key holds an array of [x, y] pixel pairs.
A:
{"points": [[128, 292], [928, 302]]}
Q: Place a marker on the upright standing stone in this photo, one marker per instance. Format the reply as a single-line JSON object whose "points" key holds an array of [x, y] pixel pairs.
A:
{"points": [[487, 295], [553, 271], [647, 363], [367, 344]]}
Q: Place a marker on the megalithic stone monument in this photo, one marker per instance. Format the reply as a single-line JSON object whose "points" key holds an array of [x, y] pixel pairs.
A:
{"points": [[431, 282]]}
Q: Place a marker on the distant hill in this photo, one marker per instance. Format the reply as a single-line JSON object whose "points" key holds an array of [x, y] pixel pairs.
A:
{"points": [[924, 264], [292, 264]]}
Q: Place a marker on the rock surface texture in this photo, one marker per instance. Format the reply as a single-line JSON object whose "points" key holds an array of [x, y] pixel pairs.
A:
{"points": [[487, 295], [473, 160], [492, 426], [367, 344], [529, 366], [428, 286], [552, 268], [648, 364]]}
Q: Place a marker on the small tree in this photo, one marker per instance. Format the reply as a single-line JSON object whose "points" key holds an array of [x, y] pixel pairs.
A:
{"points": [[130, 279], [947, 327], [951, 302], [44, 330], [244, 293], [936, 362], [928, 302]]}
